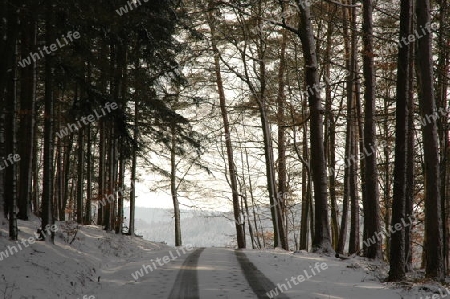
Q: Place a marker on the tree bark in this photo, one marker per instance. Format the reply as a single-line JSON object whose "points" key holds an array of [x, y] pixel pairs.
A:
{"points": [[322, 240], [397, 249], [27, 116], [88, 204], [47, 192], [306, 188], [80, 174], [441, 95], [102, 125], [409, 191], [121, 186], [433, 221], [371, 202], [282, 173], [66, 165], [354, 246], [9, 161], [330, 136], [131, 227], [173, 185]]}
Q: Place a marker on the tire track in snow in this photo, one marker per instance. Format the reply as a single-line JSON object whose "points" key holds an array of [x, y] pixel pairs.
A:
{"points": [[186, 283], [220, 276], [259, 283]]}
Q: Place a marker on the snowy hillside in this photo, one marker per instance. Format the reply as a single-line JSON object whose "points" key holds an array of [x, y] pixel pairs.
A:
{"points": [[199, 228], [42, 270]]}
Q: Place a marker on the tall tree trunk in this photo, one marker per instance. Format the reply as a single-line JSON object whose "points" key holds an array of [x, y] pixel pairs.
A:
{"points": [[59, 157], [59, 181], [89, 187], [123, 78], [121, 186], [306, 187], [330, 135], [80, 178], [88, 211], [35, 173], [282, 173], [47, 192], [109, 148], [441, 95], [344, 218], [354, 193], [433, 221], [276, 204], [108, 178], [371, 204], [387, 170], [101, 171], [321, 241], [9, 162], [67, 165], [111, 206], [332, 179], [114, 65], [27, 115], [409, 191], [348, 135], [397, 250], [354, 240], [226, 126], [349, 161], [4, 45], [250, 186], [8, 69], [260, 95], [173, 185], [131, 227], [351, 147], [360, 129], [102, 126]]}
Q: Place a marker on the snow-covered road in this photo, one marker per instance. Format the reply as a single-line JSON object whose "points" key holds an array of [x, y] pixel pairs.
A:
{"points": [[221, 275], [186, 284], [208, 273], [203, 273]]}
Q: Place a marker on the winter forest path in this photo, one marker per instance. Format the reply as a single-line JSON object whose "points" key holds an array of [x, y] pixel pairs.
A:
{"points": [[220, 273], [203, 273], [207, 273]]}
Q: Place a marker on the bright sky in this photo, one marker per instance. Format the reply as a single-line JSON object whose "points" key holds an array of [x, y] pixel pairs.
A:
{"points": [[149, 199]]}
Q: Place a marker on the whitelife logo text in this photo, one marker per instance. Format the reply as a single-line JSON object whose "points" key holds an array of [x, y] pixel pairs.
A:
{"points": [[46, 50]]}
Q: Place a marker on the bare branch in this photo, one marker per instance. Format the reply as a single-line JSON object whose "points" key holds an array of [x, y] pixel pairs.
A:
{"points": [[344, 5], [273, 22]]}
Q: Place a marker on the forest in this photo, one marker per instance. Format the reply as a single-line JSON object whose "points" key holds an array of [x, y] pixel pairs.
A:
{"points": [[322, 124]]}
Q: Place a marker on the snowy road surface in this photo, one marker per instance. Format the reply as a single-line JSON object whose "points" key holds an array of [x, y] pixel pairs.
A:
{"points": [[208, 273], [221, 276], [202, 273], [186, 284]]}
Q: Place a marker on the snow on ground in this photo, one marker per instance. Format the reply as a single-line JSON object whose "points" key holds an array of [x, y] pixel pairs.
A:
{"points": [[320, 276], [103, 265], [43, 270], [332, 278], [225, 279], [151, 275]]}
